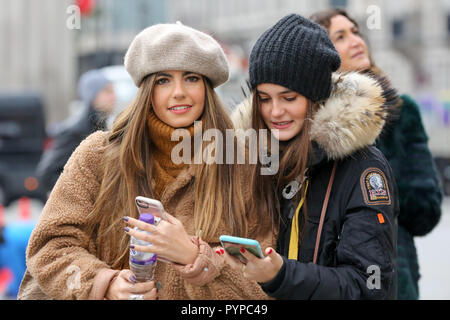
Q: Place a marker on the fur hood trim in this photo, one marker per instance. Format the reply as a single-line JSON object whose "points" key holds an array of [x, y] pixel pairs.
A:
{"points": [[349, 120]]}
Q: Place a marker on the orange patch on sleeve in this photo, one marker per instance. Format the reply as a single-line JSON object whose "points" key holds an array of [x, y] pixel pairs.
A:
{"points": [[380, 218]]}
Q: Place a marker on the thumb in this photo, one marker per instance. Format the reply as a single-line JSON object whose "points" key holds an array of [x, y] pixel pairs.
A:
{"points": [[270, 252], [128, 275], [171, 218], [274, 257]]}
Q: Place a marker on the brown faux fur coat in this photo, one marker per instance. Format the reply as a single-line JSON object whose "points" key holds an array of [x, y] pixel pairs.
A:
{"points": [[63, 260]]}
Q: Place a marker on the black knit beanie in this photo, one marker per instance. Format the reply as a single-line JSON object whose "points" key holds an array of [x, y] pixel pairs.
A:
{"points": [[295, 53]]}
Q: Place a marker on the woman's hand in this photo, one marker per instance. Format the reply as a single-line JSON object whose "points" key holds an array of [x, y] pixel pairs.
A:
{"points": [[170, 240], [258, 269], [124, 287]]}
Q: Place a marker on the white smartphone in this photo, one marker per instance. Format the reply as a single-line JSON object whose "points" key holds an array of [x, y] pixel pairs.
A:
{"points": [[147, 205]]}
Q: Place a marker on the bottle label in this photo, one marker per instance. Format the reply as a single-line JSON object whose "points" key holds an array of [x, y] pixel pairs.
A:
{"points": [[151, 260]]}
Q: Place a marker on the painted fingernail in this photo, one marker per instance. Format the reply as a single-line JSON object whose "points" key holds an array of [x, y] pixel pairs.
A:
{"points": [[270, 251], [125, 219], [133, 279], [218, 252], [242, 250], [126, 229], [222, 251], [131, 246]]}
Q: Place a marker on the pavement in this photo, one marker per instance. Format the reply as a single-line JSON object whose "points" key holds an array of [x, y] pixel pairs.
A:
{"points": [[433, 251]]}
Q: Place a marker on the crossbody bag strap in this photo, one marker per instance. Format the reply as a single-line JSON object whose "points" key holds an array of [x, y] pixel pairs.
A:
{"points": [[324, 210]]}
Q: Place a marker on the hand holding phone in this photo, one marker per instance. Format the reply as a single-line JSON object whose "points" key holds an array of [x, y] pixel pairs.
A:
{"points": [[233, 246], [147, 205], [154, 207]]}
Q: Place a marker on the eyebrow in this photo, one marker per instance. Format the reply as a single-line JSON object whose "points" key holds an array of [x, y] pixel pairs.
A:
{"points": [[284, 92], [343, 30], [163, 74], [339, 31]]}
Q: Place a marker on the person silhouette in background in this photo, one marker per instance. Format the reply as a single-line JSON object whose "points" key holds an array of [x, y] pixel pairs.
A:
{"points": [[97, 95], [403, 142]]}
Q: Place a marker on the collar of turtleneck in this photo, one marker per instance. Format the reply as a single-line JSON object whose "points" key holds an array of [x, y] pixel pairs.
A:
{"points": [[164, 169]]}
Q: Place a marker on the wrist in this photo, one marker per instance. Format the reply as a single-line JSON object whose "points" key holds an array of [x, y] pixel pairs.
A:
{"points": [[275, 283], [102, 283], [193, 253]]}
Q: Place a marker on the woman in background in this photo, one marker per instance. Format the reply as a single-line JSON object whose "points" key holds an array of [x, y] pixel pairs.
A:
{"points": [[404, 144]]}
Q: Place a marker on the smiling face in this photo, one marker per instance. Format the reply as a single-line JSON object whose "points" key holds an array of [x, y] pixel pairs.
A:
{"points": [[282, 109], [348, 42], [178, 97]]}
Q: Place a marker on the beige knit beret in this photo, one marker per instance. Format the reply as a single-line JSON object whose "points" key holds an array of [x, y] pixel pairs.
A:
{"points": [[175, 47]]}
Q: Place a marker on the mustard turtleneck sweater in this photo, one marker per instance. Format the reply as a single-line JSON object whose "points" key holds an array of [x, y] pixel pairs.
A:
{"points": [[164, 169]]}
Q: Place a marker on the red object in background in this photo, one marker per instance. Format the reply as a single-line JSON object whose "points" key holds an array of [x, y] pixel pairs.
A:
{"points": [[24, 208], [86, 6], [6, 276], [48, 144]]}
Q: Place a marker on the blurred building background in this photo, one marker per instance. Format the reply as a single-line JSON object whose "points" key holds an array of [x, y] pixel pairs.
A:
{"points": [[37, 52], [40, 51]]}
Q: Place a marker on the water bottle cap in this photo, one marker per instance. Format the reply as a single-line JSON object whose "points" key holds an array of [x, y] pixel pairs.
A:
{"points": [[147, 217]]}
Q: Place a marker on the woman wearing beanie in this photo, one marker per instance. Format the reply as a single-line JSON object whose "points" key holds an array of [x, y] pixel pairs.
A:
{"points": [[338, 204], [403, 142], [79, 248]]}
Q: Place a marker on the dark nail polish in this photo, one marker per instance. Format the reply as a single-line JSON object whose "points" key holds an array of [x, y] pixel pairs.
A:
{"points": [[126, 229], [131, 246], [125, 219], [133, 279], [242, 250]]}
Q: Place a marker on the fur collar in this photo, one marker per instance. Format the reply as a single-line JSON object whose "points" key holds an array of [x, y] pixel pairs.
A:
{"points": [[349, 120]]}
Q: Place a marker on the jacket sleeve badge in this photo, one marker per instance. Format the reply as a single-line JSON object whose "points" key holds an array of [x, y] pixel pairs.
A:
{"points": [[374, 187]]}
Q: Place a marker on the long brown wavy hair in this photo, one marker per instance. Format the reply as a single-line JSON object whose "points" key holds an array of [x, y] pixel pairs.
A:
{"points": [[293, 162], [217, 188]]}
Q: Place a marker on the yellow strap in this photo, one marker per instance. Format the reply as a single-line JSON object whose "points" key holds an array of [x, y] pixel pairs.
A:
{"points": [[293, 243]]}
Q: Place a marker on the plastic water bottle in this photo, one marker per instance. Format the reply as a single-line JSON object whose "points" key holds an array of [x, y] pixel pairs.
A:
{"points": [[143, 264]]}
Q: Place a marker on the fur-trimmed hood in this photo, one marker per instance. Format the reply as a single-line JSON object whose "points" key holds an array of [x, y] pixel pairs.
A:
{"points": [[349, 120]]}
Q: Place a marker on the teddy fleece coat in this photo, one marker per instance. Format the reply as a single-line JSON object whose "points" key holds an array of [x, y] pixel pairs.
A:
{"points": [[63, 260]]}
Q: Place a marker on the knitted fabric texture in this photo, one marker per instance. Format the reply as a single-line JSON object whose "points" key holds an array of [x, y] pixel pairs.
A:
{"points": [[295, 53], [164, 169], [176, 47]]}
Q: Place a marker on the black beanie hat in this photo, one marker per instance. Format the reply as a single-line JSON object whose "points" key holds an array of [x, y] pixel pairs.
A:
{"points": [[295, 53]]}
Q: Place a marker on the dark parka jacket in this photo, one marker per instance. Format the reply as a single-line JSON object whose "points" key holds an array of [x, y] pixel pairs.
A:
{"points": [[404, 143], [357, 252]]}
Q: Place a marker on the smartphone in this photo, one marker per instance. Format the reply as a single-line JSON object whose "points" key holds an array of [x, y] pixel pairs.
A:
{"points": [[233, 246], [147, 205], [155, 207]]}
